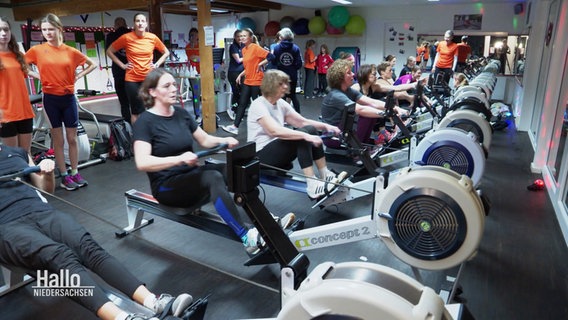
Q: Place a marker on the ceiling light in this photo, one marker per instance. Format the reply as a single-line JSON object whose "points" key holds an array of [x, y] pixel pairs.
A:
{"points": [[342, 1], [194, 8]]}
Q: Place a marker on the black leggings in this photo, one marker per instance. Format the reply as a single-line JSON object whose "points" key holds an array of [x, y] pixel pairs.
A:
{"points": [[136, 104], [203, 184], [280, 153], [247, 93], [54, 241], [235, 87], [292, 95]]}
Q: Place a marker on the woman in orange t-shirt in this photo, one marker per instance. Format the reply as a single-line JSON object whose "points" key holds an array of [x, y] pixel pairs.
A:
{"points": [[310, 59], [254, 59], [17, 124], [139, 46], [57, 64], [192, 49]]}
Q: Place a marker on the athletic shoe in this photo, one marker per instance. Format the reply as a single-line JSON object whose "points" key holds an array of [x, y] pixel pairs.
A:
{"points": [[316, 189], [384, 137], [78, 179], [172, 307], [68, 184], [231, 129], [253, 242], [231, 113], [286, 221]]}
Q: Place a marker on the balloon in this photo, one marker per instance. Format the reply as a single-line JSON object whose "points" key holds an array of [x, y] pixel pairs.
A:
{"points": [[300, 26], [338, 16], [356, 25], [316, 25], [333, 30], [286, 22], [271, 28], [246, 23]]}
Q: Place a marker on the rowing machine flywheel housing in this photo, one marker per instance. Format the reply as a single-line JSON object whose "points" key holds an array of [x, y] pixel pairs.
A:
{"points": [[430, 217], [361, 290], [470, 121], [452, 148]]}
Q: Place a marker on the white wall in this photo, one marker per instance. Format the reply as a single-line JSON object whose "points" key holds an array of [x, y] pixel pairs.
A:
{"points": [[426, 19]]}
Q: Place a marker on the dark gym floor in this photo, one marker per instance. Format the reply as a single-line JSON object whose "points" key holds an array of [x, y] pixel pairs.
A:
{"points": [[520, 271]]}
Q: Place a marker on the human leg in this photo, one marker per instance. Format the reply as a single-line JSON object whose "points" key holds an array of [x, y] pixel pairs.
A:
{"points": [[17, 134], [71, 121], [23, 243], [309, 83], [136, 104], [205, 186], [364, 128], [119, 87], [64, 229], [236, 88], [241, 108], [292, 95]]}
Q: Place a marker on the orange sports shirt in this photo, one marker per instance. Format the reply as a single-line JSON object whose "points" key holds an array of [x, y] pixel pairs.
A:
{"points": [[253, 54], [139, 52], [193, 52], [308, 57], [56, 66], [14, 96], [463, 51], [446, 54]]}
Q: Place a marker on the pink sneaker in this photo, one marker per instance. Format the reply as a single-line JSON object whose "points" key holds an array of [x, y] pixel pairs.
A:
{"points": [[78, 179]]}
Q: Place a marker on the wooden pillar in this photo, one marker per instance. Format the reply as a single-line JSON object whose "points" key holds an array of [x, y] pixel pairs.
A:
{"points": [[155, 18], [208, 108]]}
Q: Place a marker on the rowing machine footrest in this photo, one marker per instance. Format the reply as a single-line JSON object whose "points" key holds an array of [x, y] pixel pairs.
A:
{"points": [[261, 258]]}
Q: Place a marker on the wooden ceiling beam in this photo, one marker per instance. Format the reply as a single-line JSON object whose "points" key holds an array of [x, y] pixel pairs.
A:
{"points": [[24, 11], [36, 9], [249, 3]]}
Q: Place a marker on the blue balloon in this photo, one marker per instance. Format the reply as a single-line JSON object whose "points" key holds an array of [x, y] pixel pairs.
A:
{"points": [[300, 26], [246, 22]]}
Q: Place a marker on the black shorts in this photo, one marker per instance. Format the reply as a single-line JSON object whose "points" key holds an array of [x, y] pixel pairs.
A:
{"points": [[12, 129]]}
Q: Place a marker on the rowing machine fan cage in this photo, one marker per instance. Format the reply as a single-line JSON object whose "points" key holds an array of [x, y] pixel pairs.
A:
{"points": [[361, 290], [430, 217], [452, 148], [469, 121]]}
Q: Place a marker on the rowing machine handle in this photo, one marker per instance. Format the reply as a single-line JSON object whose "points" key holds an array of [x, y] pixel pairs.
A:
{"points": [[20, 173], [204, 153], [328, 135], [85, 92], [30, 169]]}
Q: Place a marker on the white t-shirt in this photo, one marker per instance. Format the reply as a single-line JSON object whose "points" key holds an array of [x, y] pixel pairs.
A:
{"points": [[259, 108]]}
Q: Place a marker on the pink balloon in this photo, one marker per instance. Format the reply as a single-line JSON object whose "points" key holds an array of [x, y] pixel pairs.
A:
{"points": [[333, 30]]}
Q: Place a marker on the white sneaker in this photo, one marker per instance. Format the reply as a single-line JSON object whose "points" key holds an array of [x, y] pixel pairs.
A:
{"points": [[286, 221], [231, 129], [253, 242], [335, 178], [231, 113], [316, 189]]}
